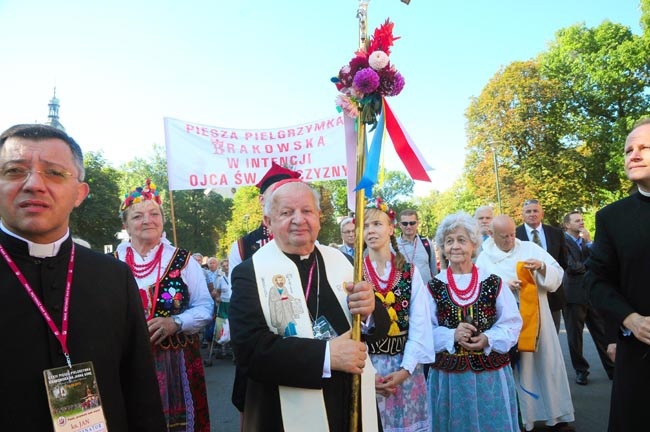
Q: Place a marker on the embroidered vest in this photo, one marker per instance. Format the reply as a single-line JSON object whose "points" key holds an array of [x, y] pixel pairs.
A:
{"points": [[173, 295], [449, 315], [396, 301]]}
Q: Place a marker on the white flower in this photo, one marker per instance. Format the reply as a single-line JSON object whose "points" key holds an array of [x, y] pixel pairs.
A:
{"points": [[378, 60]]}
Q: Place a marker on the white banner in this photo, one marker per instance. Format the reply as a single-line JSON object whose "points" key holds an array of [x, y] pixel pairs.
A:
{"points": [[213, 157]]}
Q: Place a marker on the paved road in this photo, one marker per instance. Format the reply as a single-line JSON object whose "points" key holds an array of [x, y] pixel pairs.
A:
{"points": [[591, 402]]}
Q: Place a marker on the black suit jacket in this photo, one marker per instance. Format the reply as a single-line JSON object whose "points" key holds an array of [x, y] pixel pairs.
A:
{"points": [[106, 326], [556, 247], [272, 360], [574, 274]]}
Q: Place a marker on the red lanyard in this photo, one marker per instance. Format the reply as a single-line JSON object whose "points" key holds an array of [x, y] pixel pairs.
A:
{"points": [[311, 273], [62, 335]]}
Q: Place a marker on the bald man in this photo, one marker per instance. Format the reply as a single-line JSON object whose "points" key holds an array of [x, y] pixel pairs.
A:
{"points": [[542, 383]]}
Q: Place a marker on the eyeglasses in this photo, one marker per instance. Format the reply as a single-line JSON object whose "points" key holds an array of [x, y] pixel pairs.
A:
{"points": [[347, 232], [407, 223], [12, 173], [531, 201]]}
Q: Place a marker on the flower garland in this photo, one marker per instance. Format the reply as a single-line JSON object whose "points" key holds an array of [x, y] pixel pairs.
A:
{"points": [[379, 204], [369, 77], [147, 192]]}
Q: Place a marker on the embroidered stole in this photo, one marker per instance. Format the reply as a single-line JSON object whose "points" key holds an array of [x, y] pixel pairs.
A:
{"points": [[299, 404], [529, 310]]}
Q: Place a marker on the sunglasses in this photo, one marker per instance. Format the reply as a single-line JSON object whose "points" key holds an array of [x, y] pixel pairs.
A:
{"points": [[411, 223], [531, 201]]}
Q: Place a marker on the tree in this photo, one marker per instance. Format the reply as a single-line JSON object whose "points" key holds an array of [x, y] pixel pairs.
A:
{"points": [[247, 214], [604, 77], [518, 115], [96, 219], [396, 188], [201, 218]]}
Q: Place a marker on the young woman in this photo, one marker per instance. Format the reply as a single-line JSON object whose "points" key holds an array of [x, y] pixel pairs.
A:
{"points": [[398, 358]]}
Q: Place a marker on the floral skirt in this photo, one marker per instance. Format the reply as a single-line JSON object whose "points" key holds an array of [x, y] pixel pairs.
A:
{"points": [[179, 369], [408, 409], [469, 401]]}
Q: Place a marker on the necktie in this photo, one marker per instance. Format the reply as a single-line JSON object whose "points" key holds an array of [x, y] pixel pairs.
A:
{"points": [[351, 251], [536, 239]]}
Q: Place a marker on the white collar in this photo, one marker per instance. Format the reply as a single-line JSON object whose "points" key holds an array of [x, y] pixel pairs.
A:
{"points": [[38, 250], [529, 229], [642, 192]]}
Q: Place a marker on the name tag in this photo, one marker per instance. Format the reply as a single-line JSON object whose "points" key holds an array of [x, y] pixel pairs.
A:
{"points": [[73, 396]]}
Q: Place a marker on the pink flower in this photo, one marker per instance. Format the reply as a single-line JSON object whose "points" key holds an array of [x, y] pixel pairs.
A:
{"points": [[378, 60], [347, 105]]}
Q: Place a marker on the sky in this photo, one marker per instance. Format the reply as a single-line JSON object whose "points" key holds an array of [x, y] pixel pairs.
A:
{"points": [[120, 67]]}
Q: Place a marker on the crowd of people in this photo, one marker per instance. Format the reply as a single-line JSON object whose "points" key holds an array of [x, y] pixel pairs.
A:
{"points": [[456, 334]]}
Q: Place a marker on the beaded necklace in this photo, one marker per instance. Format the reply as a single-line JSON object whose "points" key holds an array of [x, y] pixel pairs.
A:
{"points": [[467, 293], [142, 270], [145, 270], [378, 282]]}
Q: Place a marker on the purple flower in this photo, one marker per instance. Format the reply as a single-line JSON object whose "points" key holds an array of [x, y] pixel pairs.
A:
{"points": [[398, 85], [366, 80]]}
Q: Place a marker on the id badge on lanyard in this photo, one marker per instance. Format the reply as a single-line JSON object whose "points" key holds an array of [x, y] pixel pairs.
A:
{"points": [[71, 390], [73, 396]]}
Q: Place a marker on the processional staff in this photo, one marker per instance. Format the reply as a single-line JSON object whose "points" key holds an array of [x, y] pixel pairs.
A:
{"points": [[361, 148]]}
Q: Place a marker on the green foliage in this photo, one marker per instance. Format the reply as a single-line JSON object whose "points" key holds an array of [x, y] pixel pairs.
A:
{"points": [[246, 216], [604, 76], [95, 220], [558, 122], [396, 188], [201, 218]]}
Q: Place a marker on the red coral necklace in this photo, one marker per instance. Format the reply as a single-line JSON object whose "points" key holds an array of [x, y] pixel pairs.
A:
{"points": [[143, 270], [378, 282], [467, 293]]}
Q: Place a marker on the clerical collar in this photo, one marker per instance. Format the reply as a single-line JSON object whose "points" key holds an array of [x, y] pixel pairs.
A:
{"points": [[642, 192], [38, 250]]}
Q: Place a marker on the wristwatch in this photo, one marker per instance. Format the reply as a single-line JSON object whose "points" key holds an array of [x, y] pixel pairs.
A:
{"points": [[543, 266], [178, 322]]}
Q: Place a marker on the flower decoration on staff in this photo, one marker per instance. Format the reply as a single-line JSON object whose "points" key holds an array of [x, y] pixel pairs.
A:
{"points": [[381, 205], [369, 77], [142, 193]]}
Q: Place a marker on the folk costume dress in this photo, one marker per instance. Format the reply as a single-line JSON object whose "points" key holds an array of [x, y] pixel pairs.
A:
{"points": [[176, 287], [473, 391], [409, 345]]}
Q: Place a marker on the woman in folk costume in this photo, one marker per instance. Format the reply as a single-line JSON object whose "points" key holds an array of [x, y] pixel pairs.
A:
{"points": [[177, 305], [400, 383], [475, 323]]}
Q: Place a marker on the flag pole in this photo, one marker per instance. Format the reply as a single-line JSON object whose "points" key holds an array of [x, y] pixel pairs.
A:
{"points": [[171, 209], [355, 406]]}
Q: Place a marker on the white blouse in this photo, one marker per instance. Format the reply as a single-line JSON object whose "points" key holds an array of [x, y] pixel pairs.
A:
{"points": [[199, 311]]}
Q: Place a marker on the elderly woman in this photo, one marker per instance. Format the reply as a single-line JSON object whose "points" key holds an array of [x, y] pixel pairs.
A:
{"points": [[475, 323], [177, 305], [398, 358]]}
